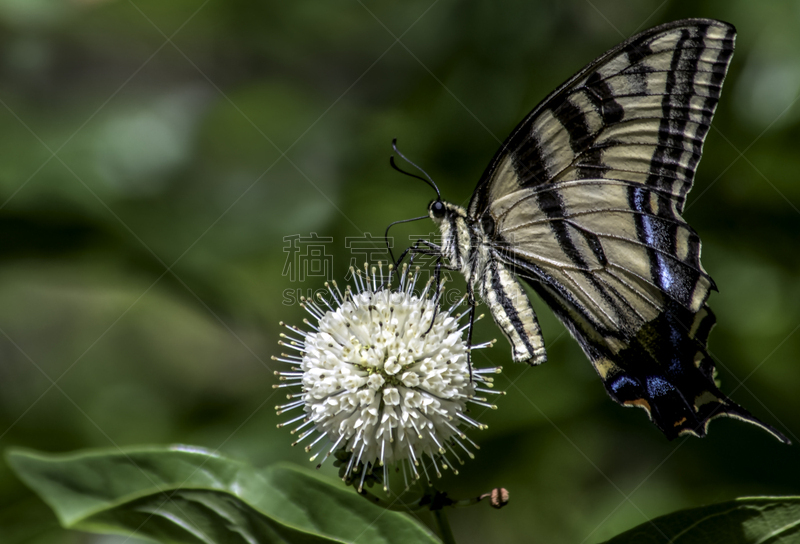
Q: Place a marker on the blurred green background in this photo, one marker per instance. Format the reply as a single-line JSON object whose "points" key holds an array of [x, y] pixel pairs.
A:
{"points": [[155, 155]]}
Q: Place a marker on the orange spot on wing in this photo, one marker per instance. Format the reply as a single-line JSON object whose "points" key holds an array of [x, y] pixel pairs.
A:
{"points": [[641, 403]]}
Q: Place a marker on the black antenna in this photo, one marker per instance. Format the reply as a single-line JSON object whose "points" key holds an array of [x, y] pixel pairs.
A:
{"points": [[429, 180], [386, 234]]}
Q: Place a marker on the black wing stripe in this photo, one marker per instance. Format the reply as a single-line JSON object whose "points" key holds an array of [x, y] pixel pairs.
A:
{"points": [[612, 319], [644, 231], [529, 163], [573, 118], [647, 281], [637, 52], [610, 271], [603, 99], [551, 205], [619, 296]]}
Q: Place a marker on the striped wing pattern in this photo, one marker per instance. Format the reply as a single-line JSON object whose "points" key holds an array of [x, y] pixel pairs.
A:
{"points": [[584, 201]]}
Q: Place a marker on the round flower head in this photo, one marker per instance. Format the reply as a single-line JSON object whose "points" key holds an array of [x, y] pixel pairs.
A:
{"points": [[385, 378]]}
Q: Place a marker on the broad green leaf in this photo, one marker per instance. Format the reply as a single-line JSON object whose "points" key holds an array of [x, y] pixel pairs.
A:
{"points": [[189, 495], [751, 520]]}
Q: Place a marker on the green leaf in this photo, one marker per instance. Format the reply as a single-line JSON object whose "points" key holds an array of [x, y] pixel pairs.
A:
{"points": [[189, 495], [751, 520]]}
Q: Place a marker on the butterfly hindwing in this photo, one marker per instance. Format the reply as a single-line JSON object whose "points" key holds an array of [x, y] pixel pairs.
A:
{"points": [[584, 202]]}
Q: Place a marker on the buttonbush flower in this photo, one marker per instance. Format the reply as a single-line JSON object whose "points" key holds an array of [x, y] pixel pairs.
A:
{"points": [[384, 378]]}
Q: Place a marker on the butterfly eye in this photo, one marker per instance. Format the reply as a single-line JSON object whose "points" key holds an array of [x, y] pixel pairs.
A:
{"points": [[437, 209]]}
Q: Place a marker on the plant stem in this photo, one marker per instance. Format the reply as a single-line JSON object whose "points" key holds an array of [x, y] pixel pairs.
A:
{"points": [[444, 526]]}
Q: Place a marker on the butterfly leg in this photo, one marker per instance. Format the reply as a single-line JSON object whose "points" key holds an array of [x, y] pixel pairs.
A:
{"points": [[437, 274], [472, 304], [431, 249]]}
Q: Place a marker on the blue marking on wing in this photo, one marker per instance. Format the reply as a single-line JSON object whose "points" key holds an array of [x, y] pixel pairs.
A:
{"points": [[657, 386], [621, 382], [651, 235]]}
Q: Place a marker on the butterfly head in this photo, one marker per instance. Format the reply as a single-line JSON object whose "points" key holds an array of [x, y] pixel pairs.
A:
{"points": [[443, 212], [437, 210]]}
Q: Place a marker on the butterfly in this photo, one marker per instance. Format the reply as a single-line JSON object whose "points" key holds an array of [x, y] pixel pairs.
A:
{"points": [[583, 202]]}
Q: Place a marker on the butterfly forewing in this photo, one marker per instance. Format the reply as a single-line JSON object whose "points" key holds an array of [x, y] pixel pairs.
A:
{"points": [[583, 201]]}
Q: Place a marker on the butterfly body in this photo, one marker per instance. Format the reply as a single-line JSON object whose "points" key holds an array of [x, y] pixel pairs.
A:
{"points": [[583, 203]]}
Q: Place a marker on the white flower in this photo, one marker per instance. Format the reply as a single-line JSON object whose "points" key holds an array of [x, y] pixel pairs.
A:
{"points": [[384, 378]]}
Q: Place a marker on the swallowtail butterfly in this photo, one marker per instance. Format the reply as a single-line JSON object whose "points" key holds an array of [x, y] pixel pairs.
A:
{"points": [[583, 202]]}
